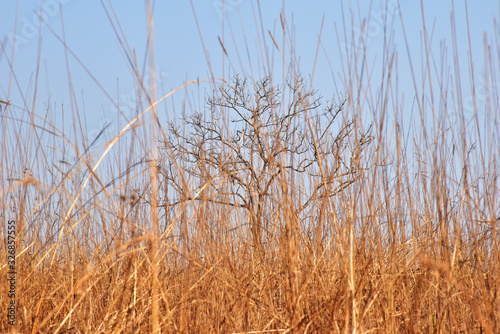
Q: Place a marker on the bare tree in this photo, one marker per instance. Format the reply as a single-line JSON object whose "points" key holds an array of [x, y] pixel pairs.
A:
{"points": [[252, 139]]}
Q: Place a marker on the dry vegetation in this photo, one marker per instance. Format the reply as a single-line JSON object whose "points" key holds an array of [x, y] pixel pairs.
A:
{"points": [[276, 213]]}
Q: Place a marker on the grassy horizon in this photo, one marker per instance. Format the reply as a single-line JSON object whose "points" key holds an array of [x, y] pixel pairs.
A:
{"points": [[105, 244]]}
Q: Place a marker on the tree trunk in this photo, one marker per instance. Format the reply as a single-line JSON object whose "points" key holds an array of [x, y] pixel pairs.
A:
{"points": [[257, 229]]}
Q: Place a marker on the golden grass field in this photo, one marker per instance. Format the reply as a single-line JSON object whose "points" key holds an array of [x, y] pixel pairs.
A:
{"points": [[401, 236]]}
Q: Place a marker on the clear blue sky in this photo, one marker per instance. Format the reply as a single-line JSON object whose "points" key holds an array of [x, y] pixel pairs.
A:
{"points": [[178, 46]]}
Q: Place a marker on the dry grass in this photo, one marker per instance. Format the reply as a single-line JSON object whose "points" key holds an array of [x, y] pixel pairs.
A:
{"points": [[412, 246]]}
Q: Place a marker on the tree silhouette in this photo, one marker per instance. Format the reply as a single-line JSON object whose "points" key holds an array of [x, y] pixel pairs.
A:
{"points": [[252, 139]]}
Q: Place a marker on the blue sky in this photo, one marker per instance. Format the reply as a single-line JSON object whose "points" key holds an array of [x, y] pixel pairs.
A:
{"points": [[180, 56]]}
